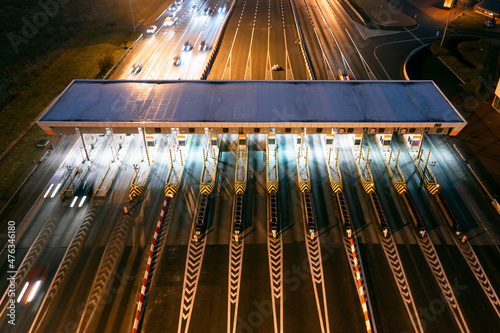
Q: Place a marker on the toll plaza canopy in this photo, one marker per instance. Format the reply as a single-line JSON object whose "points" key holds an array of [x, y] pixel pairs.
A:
{"points": [[252, 107]]}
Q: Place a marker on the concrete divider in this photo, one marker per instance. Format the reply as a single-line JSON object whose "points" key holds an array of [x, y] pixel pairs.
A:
{"points": [[216, 44], [303, 46]]}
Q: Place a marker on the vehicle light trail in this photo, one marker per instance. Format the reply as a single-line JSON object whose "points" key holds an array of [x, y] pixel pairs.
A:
{"points": [[48, 191]]}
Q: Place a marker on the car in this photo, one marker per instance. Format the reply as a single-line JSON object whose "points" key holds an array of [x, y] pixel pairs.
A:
{"points": [[173, 8], [489, 24], [152, 29], [177, 60], [207, 11], [170, 21], [136, 68], [276, 68], [179, 2], [187, 46], [344, 77], [204, 46], [222, 9], [33, 283], [193, 8]]}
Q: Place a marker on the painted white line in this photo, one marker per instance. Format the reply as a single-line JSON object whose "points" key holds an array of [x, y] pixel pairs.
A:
{"points": [[82, 201], [56, 189], [48, 191], [74, 201]]}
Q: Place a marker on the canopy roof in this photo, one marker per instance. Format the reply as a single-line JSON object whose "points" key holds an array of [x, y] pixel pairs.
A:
{"points": [[119, 103]]}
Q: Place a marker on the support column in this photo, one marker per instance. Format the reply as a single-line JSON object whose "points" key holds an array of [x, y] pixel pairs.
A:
{"points": [[109, 131], [143, 130], [208, 133], [302, 139], [421, 143], [77, 129]]}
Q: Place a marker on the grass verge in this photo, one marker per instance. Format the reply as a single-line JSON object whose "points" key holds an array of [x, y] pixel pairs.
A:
{"points": [[465, 58], [85, 60]]}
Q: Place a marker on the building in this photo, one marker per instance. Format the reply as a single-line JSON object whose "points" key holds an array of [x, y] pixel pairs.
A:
{"points": [[488, 8]]}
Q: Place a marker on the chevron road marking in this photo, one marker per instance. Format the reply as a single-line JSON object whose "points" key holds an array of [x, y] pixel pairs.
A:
{"points": [[69, 258], [437, 269], [112, 254], [235, 268], [275, 257], [316, 268], [35, 250], [392, 256], [474, 264], [196, 252]]}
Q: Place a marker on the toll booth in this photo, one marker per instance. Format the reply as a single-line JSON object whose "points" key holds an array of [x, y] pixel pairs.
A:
{"points": [[357, 140], [242, 142], [151, 140], [298, 144], [181, 140], [329, 141], [413, 141], [385, 141]]}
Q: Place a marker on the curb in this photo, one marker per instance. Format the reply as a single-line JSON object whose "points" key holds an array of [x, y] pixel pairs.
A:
{"points": [[303, 46], [216, 45], [148, 266], [408, 58]]}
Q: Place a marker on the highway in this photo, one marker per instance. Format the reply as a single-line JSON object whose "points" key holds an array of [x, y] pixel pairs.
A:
{"points": [[259, 35], [156, 51]]}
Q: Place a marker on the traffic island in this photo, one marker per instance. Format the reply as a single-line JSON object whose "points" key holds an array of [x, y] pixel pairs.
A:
{"points": [[381, 14]]}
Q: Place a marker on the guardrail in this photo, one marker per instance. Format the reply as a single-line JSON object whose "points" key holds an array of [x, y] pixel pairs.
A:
{"points": [[123, 56], [303, 46], [216, 44]]}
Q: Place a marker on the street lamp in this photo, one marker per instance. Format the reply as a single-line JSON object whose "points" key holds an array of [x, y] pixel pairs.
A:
{"points": [[132, 11], [447, 23]]}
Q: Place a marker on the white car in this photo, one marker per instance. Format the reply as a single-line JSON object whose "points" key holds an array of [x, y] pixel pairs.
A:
{"points": [[204, 46], [170, 21], [177, 60], [136, 68], [187, 46], [152, 29], [207, 11], [222, 9], [193, 8], [276, 68]]}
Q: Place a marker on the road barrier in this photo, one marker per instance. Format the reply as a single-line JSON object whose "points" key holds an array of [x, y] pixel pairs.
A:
{"points": [[303, 46], [360, 288], [148, 266], [215, 45]]}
